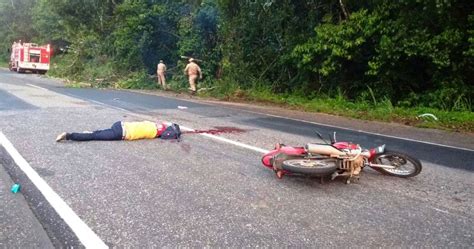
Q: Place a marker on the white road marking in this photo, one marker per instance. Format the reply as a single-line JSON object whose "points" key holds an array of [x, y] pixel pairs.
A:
{"points": [[233, 142], [102, 104], [184, 128], [250, 147], [87, 237], [440, 210], [76, 97], [361, 131], [294, 119], [38, 87]]}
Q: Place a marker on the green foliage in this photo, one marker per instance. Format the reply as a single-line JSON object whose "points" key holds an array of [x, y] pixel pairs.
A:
{"points": [[98, 72], [470, 49], [14, 24], [225, 89], [345, 57], [263, 92], [3, 63], [137, 80], [47, 22], [131, 34], [258, 36], [383, 110]]}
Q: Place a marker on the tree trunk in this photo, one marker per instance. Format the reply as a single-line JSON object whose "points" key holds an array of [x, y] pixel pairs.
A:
{"points": [[344, 10]]}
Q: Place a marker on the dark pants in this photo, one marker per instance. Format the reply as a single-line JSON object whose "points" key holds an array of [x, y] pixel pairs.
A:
{"points": [[114, 133]]}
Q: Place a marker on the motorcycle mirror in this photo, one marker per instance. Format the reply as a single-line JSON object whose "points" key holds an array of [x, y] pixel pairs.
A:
{"points": [[321, 136], [333, 138]]}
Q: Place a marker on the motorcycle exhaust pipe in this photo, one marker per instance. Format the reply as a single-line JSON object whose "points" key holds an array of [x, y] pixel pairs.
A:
{"points": [[381, 166]]}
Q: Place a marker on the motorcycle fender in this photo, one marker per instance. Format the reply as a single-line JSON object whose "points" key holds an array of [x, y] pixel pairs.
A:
{"points": [[278, 159], [267, 159], [377, 150]]}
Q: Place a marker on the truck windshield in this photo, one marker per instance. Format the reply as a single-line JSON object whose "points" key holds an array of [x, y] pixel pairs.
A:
{"points": [[34, 57]]}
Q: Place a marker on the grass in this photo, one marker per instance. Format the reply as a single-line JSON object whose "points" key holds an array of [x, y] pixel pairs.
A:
{"points": [[461, 121], [3, 63], [102, 75]]}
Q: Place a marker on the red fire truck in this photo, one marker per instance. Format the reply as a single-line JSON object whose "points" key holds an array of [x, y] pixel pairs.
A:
{"points": [[29, 57]]}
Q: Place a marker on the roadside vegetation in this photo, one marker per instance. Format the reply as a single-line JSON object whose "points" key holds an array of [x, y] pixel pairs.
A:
{"points": [[338, 104], [3, 63], [378, 60]]}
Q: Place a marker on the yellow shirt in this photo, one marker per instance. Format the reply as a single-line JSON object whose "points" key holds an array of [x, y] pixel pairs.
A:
{"points": [[139, 130]]}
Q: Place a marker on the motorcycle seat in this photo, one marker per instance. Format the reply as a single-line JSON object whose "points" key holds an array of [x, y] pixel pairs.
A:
{"points": [[323, 149]]}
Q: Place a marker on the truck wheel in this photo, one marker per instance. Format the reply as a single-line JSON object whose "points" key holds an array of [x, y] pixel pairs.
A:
{"points": [[19, 69]]}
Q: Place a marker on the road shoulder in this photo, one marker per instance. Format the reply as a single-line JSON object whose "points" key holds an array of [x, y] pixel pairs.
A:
{"points": [[448, 138], [19, 226]]}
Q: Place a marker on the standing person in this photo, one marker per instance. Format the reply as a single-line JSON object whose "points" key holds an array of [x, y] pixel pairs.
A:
{"points": [[122, 130], [160, 73], [193, 71]]}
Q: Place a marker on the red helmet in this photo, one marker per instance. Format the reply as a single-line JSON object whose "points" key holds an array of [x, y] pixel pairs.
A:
{"points": [[160, 127]]}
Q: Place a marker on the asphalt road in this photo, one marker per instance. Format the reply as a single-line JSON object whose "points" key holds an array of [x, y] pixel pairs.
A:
{"points": [[204, 192]]}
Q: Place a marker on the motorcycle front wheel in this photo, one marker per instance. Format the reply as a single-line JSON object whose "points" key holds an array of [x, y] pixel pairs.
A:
{"points": [[405, 165], [310, 166]]}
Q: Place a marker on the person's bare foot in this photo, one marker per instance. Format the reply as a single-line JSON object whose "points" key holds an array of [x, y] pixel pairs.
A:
{"points": [[61, 137]]}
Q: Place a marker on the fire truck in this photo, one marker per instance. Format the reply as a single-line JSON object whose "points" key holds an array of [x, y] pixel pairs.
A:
{"points": [[29, 57]]}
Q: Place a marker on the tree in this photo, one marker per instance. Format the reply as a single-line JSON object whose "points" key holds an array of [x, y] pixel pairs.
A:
{"points": [[397, 48], [15, 23]]}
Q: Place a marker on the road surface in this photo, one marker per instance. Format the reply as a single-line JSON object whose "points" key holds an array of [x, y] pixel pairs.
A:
{"points": [[206, 192]]}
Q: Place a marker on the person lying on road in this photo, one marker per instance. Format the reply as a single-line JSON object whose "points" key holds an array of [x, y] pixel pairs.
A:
{"points": [[122, 130]]}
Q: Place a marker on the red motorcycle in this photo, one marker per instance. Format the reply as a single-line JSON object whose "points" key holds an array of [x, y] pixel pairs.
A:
{"points": [[338, 159]]}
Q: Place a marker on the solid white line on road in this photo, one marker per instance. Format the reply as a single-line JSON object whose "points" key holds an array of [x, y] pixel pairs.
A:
{"points": [[305, 121], [76, 97], [440, 210], [225, 140], [348, 129], [271, 115], [87, 237], [361, 131], [185, 128], [37, 87], [100, 103], [234, 142], [294, 119]]}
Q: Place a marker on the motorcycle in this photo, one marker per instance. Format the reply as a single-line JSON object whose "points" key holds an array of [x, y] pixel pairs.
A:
{"points": [[338, 159]]}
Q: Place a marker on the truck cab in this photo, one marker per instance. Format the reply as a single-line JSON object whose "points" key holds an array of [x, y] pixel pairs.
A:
{"points": [[30, 57]]}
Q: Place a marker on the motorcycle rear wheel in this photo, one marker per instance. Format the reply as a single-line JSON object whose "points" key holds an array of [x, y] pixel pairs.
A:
{"points": [[406, 166], [310, 166]]}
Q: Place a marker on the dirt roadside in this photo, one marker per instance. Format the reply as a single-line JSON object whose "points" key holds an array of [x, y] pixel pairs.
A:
{"points": [[455, 139]]}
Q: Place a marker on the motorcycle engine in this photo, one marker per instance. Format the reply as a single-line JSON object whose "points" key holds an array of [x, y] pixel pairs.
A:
{"points": [[353, 163]]}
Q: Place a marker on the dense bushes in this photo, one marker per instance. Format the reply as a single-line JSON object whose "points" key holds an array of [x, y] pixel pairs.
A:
{"points": [[406, 53]]}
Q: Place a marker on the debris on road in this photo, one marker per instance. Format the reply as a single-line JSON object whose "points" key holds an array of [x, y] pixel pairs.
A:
{"points": [[15, 188], [182, 107], [428, 115], [205, 89]]}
